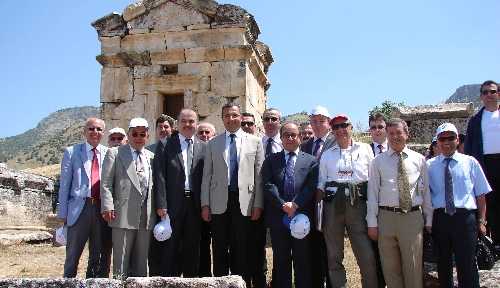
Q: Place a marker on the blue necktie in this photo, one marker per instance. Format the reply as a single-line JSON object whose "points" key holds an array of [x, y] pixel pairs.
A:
{"points": [[233, 163], [448, 188], [316, 150], [269, 147], [289, 185]]}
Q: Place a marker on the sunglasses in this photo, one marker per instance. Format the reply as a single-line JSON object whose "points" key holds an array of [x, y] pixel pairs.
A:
{"points": [[375, 127], [247, 123], [116, 138], [449, 138], [486, 92], [271, 119], [341, 125], [203, 132], [98, 129], [135, 135]]}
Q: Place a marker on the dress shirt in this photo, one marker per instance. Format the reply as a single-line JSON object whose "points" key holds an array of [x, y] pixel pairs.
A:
{"points": [[276, 146], [238, 139], [375, 147], [145, 161], [383, 183], [88, 163], [490, 127], [356, 159], [469, 181], [288, 156], [322, 138], [163, 141], [184, 146]]}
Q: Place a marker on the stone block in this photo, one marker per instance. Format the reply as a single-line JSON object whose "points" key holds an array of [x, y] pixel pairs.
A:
{"points": [[59, 282], [170, 83], [202, 69], [169, 28], [138, 31], [169, 56], [203, 54], [147, 71], [206, 38], [133, 10], [110, 45], [130, 109], [228, 78], [171, 282], [116, 84], [143, 42], [198, 26], [112, 60], [238, 52]]}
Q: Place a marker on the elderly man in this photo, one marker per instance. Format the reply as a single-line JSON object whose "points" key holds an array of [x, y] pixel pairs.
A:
{"points": [[306, 132], [398, 191], [322, 141], [117, 137], [289, 179], [248, 123], [178, 196], [458, 187], [205, 131], [79, 194], [127, 203], [231, 193], [343, 179], [483, 143]]}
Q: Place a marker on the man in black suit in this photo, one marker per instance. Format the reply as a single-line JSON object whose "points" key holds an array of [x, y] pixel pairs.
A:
{"points": [[178, 196], [289, 178], [322, 141]]}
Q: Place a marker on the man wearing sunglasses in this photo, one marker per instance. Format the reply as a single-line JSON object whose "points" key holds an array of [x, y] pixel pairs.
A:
{"points": [[483, 143], [458, 187], [248, 123], [79, 194], [377, 133], [271, 140], [127, 201]]}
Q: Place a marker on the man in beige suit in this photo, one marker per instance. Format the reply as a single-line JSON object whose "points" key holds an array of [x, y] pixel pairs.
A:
{"points": [[231, 192], [126, 201]]}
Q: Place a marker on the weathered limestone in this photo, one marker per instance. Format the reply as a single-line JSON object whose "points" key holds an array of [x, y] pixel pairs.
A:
{"points": [[204, 52]]}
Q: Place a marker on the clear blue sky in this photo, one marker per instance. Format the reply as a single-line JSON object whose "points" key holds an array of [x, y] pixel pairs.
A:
{"points": [[346, 55]]}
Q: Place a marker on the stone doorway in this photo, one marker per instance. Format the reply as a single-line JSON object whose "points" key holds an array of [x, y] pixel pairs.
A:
{"points": [[173, 104]]}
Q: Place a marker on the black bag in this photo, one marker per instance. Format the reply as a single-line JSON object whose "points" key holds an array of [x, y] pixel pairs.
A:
{"points": [[486, 253]]}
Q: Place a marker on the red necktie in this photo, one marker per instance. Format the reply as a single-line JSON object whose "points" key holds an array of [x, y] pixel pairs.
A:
{"points": [[95, 178]]}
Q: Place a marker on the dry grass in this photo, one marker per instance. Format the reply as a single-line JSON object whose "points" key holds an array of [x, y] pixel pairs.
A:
{"points": [[51, 171]]}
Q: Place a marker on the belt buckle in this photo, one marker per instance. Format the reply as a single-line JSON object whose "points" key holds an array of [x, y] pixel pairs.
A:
{"points": [[404, 211], [187, 193]]}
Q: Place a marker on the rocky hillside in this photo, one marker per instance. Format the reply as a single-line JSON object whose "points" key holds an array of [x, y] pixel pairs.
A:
{"points": [[466, 93], [43, 144]]}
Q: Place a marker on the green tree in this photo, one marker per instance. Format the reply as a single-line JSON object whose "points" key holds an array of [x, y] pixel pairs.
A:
{"points": [[386, 108]]}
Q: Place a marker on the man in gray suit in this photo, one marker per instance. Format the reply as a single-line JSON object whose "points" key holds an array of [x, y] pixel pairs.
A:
{"points": [[231, 192], [79, 200], [127, 203]]}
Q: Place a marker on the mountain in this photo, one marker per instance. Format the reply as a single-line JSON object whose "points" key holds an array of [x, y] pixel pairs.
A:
{"points": [[467, 93], [43, 144], [301, 117]]}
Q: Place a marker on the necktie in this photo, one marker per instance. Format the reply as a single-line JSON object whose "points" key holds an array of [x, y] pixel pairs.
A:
{"points": [[289, 185], [380, 147], [189, 159], [448, 189], [139, 169], [403, 186], [95, 179], [233, 163], [269, 147], [318, 143]]}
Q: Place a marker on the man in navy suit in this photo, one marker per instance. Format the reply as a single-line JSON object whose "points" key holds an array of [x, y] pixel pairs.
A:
{"points": [[483, 143], [289, 178], [79, 201]]}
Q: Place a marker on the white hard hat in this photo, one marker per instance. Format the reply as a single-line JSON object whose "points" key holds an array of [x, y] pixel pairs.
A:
{"points": [[300, 226], [61, 235], [446, 127], [163, 230], [138, 122], [320, 110]]}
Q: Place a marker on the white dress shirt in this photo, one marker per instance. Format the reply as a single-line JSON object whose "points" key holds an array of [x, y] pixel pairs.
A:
{"points": [[383, 184], [276, 144], [322, 144], [239, 138], [145, 161], [90, 157], [490, 127], [184, 146], [375, 147]]}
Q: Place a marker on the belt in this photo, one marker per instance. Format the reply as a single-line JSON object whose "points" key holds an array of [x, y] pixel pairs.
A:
{"points": [[457, 210], [93, 201], [399, 210], [492, 156], [187, 193]]}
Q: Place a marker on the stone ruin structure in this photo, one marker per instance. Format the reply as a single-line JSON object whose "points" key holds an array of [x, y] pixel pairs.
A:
{"points": [[423, 120], [159, 56]]}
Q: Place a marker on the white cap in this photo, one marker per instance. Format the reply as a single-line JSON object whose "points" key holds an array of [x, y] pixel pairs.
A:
{"points": [[446, 127], [300, 226], [320, 110], [138, 122], [163, 230], [117, 130], [61, 235]]}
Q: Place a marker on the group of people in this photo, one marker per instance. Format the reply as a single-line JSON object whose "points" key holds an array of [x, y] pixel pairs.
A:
{"points": [[221, 194]]}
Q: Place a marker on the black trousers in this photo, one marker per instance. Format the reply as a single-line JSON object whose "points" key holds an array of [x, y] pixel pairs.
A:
{"points": [[257, 262], [230, 240], [89, 226], [492, 165], [319, 261], [456, 235], [205, 253], [156, 259]]}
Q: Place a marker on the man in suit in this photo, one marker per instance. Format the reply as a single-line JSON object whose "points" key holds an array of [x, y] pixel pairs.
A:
{"points": [[231, 193], [248, 123], [79, 194], [483, 143], [322, 141], [164, 128], [289, 179], [127, 203], [306, 132], [177, 195]]}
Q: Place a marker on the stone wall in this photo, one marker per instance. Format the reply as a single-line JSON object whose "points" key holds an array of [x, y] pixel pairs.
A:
{"points": [[422, 131]]}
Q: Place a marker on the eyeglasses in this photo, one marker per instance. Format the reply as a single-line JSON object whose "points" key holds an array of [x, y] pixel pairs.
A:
{"points": [[135, 135], [290, 135], [98, 129], [247, 123], [341, 125], [449, 138], [271, 119], [375, 127], [116, 138], [486, 92], [203, 132]]}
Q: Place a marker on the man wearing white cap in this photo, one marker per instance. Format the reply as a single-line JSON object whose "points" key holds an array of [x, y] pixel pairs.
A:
{"points": [[289, 179], [343, 179], [117, 137], [127, 203], [458, 187], [322, 141]]}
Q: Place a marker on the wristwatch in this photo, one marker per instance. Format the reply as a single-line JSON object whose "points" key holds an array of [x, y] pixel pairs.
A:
{"points": [[482, 221]]}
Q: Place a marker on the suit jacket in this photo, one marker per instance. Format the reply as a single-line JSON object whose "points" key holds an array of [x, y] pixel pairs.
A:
{"points": [[308, 145], [75, 181], [273, 175], [473, 145], [157, 148], [169, 191], [121, 191], [214, 188]]}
